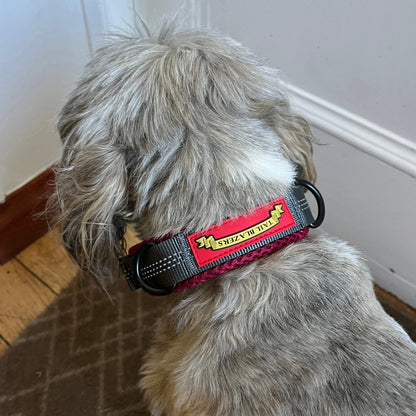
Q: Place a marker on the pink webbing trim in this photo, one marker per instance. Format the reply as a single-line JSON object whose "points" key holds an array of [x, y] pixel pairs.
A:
{"points": [[242, 260]]}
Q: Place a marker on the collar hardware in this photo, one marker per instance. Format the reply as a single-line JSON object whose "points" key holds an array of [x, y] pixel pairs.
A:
{"points": [[131, 269], [319, 200]]}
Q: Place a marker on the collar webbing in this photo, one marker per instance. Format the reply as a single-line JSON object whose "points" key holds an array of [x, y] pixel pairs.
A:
{"points": [[187, 259]]}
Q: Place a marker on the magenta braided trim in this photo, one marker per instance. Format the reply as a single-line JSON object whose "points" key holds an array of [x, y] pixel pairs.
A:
{"points": [[242, 260]]}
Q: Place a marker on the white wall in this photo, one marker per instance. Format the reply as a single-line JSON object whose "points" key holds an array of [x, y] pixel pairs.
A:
{"points": [[44, 45], [357, 54], [371, 205], [350, 69]]}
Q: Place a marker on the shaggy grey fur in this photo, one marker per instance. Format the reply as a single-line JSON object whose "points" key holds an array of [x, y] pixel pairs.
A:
{"points": [[182, 130]]}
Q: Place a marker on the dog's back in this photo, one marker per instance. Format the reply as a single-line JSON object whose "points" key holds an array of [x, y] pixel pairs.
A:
{"points": [[279, 338]]}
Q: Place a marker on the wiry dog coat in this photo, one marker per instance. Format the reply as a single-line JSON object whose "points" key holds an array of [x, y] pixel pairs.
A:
{"points": [[177, 132]]}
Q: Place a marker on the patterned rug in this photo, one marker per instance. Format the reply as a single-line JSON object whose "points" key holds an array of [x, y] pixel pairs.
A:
{"points": [[81, 356]]}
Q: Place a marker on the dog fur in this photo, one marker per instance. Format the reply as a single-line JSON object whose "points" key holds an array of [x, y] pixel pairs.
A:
{"points": [[180, 130]]}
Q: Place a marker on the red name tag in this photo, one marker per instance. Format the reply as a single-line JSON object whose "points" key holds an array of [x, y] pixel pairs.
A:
{"points": [[237, 233]]}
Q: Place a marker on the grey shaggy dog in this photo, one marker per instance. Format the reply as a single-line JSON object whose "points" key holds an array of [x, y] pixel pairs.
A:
{"points": [[180, 130]]}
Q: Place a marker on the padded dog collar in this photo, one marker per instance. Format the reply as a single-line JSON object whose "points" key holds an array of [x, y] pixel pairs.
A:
{"points": [[161, 267]]}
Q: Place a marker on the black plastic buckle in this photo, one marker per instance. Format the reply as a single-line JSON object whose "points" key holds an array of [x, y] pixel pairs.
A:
{"points": [[131, 269], [319, 200]]}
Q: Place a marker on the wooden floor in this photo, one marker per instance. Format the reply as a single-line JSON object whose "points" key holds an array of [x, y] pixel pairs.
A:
{"points": [[32, 280]]}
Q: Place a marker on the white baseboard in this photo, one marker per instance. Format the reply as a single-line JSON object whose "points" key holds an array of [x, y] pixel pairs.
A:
{"points": [[368, 137], [393, 283]]}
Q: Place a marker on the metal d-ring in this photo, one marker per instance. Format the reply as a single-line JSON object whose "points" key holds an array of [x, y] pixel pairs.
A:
{"points": [[146, 287], [319, 200]]}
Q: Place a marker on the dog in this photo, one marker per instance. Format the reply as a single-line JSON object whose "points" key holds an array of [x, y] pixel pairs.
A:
{"points": [[183, 131]]}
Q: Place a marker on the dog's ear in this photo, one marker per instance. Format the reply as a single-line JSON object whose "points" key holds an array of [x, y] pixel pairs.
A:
{"points": [[297, 142], [91, 204]]}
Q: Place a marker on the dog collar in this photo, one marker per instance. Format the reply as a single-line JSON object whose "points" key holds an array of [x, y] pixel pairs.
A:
{"points": [[174, 263]]}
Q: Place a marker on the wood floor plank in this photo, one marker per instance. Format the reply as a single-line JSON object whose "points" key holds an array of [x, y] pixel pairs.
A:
{"points": [[22, 298], [400, 311], [395, 303], [3, 346], [49, 261]]}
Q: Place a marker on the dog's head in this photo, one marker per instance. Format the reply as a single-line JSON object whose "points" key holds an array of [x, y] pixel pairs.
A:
{"points": [[171, 132]]}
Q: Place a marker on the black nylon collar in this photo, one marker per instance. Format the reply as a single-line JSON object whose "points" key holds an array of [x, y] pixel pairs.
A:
{"points": [[159, 267]]}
